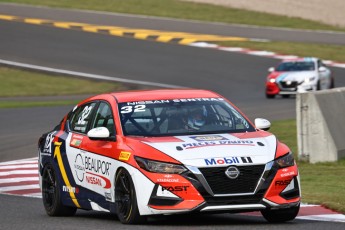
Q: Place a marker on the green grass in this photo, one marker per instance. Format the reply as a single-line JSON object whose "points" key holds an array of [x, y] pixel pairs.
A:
{"points": [[286, 132], [185, 10], [322, 183], [27, 104], [323, 51], [24, 83]]}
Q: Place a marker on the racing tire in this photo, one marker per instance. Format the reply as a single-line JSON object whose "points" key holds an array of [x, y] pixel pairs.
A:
{"points": [[332, 83], [318, 86], [126, 200], [270, 96], [285, 95], [280, 215], [51, 194]]}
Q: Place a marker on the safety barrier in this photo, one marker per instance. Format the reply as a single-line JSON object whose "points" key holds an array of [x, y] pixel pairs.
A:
{"points": [[321, 125]]}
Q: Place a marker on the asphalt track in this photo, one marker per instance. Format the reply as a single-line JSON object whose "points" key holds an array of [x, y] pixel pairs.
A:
{"points": [[239, 77]]}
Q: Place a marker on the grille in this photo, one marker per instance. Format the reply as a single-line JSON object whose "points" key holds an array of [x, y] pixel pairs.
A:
{"points": [[246, 182], [293, 84]]}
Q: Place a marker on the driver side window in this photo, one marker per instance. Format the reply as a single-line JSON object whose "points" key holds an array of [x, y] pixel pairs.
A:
{"points": [[82, 117], [104, 118]]}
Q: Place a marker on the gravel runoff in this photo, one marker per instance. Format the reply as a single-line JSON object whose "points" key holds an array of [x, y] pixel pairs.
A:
{"points": [[330, 12]]}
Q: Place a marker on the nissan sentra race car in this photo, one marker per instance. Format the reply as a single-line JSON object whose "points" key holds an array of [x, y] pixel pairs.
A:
{"points": [[298, 75], [164, 152]]}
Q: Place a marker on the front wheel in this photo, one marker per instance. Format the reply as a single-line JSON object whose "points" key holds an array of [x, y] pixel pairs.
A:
{"points": [[280, 215], [126, 200], [318, 85], [332, 83], [270, 96], [51, 194]]}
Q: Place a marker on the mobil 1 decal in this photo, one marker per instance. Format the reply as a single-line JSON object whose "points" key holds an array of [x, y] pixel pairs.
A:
{"points": [[228, 161]]}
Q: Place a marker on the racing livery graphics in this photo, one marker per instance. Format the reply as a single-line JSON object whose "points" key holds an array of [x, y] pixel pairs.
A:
{"points": [[298, 75], [163, 152]]}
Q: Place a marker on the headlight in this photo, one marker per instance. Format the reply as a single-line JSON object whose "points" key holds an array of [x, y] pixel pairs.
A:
{"points": [[159, 167], [272, 80], [309, 79], [285, 161]]}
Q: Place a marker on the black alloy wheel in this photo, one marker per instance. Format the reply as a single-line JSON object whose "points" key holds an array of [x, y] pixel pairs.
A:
{"points": [[125, 198], [51, 194]]}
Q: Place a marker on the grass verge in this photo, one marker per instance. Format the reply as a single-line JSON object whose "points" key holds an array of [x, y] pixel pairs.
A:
{"points": [[323, 51], [185, 10], [27, 104], [321, 182], [16, 83]]}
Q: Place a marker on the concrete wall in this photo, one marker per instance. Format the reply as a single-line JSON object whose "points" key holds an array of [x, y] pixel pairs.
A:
{"points": [[330, 12], [321, 125]]}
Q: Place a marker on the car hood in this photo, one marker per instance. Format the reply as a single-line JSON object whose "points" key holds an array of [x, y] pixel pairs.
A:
{"points": [[219, 150], [295, 76]]}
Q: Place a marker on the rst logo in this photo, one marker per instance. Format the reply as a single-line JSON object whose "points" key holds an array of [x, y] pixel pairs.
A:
{"points": [[175, 188], [228, 160]]}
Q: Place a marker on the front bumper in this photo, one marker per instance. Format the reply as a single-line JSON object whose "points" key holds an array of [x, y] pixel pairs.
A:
{"points": [[289, 88], [194, 191]]}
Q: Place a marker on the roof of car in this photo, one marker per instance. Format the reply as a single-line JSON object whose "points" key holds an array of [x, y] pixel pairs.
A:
{"points": [[162, 94], [301, 59]]}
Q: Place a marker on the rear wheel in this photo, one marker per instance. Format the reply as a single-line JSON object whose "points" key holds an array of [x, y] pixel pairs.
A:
{"points": [[51, 194], [286, 95], [280, 215], [125, 198]]}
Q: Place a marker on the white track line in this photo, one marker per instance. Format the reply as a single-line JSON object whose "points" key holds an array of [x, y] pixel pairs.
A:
{"points": [[85, 75]]}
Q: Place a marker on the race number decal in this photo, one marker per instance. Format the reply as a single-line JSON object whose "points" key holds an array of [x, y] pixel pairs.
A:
{"points": [[48, 144], [86, 112], [135, 109]]}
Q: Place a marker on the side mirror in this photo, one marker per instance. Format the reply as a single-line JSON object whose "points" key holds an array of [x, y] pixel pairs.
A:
{"points": [[271, 69], [262, 124], [322, 69], [100, 133]]}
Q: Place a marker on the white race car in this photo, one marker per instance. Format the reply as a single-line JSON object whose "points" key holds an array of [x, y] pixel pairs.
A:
{"points": [[297, 76]]}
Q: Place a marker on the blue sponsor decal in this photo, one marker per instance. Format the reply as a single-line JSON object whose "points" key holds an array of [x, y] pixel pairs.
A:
{"points": [[281, 77], [216, 143]]}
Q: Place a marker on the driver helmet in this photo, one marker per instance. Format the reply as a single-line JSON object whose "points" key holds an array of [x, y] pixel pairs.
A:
{"points": [[197, 118]]}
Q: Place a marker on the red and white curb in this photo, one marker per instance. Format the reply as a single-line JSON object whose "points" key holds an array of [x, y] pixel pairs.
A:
{"points": [[262, 53], [20, 177]]}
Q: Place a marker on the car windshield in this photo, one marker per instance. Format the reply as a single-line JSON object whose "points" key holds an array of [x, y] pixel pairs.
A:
{"points": [[296, 66], [181, 117]]}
